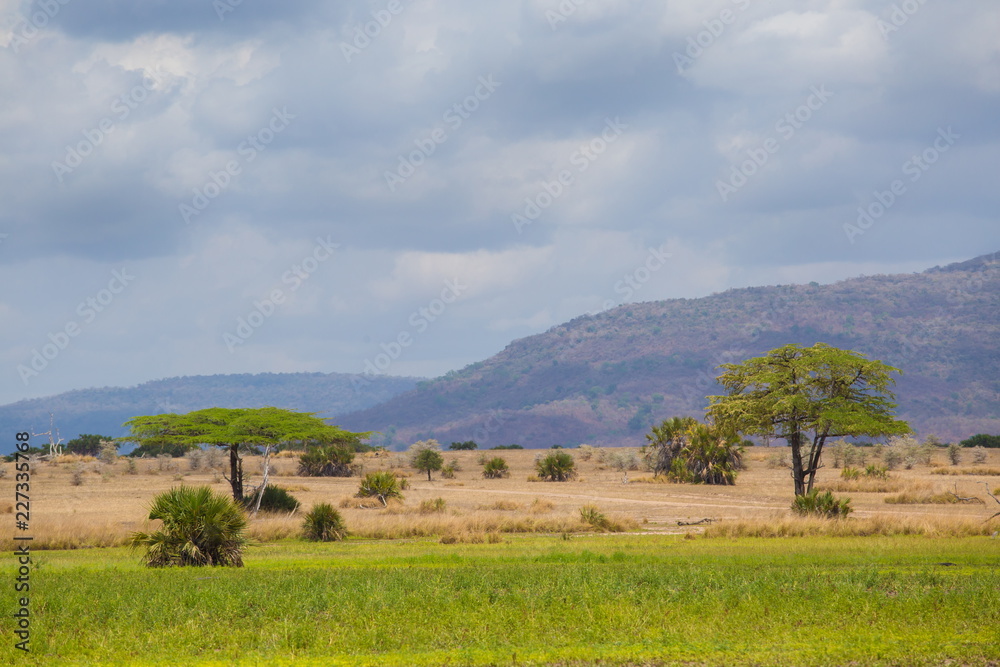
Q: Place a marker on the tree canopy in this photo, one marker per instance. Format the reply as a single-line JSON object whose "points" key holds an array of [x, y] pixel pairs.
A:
{"points": [[805, 396], [234, 428]]}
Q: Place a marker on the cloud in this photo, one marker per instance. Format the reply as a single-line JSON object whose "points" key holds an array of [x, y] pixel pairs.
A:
{"points": [[545, 188]]}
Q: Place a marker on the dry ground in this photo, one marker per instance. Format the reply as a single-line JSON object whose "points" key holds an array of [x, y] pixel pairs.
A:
{"points": [[109, 503]]}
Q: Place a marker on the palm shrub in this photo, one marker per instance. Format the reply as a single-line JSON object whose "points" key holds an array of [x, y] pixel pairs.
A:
{"points": [[876, 472], [666, 441], [199, 528], [326, 461], [824, 504], [274, 499], [381, 484], [850, 473], [324, 524], [710, 458], [557, 466], [496, 468]]}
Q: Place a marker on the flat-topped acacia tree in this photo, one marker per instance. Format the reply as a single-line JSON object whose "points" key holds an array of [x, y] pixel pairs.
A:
{"points": [[232, 428], [805, 396]]}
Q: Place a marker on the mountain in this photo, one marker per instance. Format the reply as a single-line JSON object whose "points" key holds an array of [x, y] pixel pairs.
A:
{"points": [[604, 379], [102, 411]]}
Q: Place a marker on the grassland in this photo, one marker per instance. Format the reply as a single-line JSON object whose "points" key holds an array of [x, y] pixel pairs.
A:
{"points": [[532, 600], [507, 573]]}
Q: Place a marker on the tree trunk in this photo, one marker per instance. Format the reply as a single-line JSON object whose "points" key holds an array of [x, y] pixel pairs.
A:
{"points": [[798, 472], [428, 474], [236, 472]]}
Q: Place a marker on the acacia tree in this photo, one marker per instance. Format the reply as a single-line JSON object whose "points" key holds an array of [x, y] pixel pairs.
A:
{"points": [[236, 428], [805, 396], [428, 460]]}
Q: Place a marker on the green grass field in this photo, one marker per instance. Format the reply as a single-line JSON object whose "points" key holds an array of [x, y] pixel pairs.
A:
{"points": [[629, 600]]}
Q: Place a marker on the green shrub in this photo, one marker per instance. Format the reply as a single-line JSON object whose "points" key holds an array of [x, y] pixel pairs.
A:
{"points": [[850, 473], [324, 524], [821, 504], [496, 468], [507, 447], [592, 516], [876, 472], [199, 528], [558, 466], [381, 484], [274, 499], [326, 461]]}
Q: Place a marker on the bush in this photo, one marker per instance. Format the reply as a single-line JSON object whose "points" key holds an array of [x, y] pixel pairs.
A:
{"points": [[821, 504], [324, 524], [892, 458], [557, 466], [108, 452], [850, 473], [199, 528], [467, 445], [382, 485], [592, 516], [979, 455], [496, 468], [780, 460], [275, 499], [326, 461], [955, 454]]}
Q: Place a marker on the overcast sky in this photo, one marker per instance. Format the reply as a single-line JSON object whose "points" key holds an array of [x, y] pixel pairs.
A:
{"points": [[201, 187]]}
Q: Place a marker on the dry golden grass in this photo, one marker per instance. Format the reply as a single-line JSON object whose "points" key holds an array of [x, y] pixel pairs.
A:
{"points": [[110, 504], [792, 526], [503, 506], [992, 472], [909, 498], [871, 485]]}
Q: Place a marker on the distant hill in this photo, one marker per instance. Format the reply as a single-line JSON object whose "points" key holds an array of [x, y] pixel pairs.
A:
{"points": [[102, 411], [604, 379]]}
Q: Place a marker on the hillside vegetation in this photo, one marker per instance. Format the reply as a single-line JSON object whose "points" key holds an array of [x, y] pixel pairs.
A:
{"points": [[104, 410], [604, 379]]}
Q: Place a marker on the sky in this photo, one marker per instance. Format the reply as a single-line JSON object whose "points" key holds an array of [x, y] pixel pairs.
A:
{"points": [[406, 186]]}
